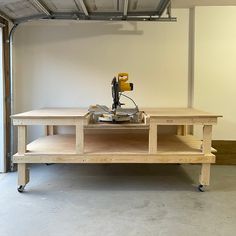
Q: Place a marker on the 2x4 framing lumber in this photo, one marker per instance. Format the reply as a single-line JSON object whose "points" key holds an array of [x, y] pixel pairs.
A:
{"points": [[206, 145], [23, 174], [79, 142], [182, 130], [114, 158], [49, 130], [152, 137], [207, 139], [205, 174], [23, 171], [22, 139]]}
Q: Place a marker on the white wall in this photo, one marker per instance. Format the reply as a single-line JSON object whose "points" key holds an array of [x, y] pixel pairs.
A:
{"points": [[72, 63], [215, 66]]}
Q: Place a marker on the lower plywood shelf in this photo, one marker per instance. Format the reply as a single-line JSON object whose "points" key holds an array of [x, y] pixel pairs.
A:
{"points": [[118, 148]]}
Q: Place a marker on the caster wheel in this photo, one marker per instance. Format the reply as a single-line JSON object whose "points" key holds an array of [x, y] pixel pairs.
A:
{"points": [[201, 188], [21, 188]]}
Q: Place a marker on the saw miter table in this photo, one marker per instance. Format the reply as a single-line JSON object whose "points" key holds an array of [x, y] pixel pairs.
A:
{"points": [[145, 146]]}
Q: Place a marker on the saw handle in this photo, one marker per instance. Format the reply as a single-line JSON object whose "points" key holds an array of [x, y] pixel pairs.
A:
{"points": [[123, 77], [123, 85]]}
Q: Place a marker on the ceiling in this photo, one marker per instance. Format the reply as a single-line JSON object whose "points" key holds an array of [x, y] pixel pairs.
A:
{"points": [[193, 3], [21, 10], [17, 10]]}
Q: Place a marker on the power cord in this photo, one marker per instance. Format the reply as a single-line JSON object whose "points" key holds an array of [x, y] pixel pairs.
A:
{"points": [[136, 106]]}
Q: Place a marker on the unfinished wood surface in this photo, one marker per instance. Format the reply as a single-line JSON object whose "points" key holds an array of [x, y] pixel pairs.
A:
{"points": [[73, 121], [114, 158], [177, 112], [49, 130], [182, 130], [47, 121], [205, 174], [168, 120], [118, 143], [79, 136], [153, 138], [207, 139], [179, 129], [206, 148], [53, 113], [21, 139], [180, 116], [23, 174], [83, 112]]}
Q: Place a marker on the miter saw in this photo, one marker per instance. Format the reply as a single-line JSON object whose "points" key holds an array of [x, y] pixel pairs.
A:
{"points": [[101, 113]]}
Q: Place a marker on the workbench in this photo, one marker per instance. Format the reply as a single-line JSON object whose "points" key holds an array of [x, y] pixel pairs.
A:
{"points": [[87, 147]]}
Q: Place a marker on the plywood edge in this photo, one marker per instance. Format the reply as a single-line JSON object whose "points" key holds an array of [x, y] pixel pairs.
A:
{"points": [[18, 116]]}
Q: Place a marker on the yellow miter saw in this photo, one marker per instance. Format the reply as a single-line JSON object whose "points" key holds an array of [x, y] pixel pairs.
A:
{"points": [[118, 114]]}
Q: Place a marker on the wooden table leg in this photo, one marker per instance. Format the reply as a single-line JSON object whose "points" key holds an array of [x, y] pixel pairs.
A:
{"points": [[152, 137], [79, 133], [206, 147], [49, 130], [23, 174], [23, 171], [205, 174], [207, 137], [182, 130]]}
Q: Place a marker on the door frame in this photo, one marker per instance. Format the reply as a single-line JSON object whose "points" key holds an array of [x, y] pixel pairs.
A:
{"points": [[2, 108], [5, 160]]}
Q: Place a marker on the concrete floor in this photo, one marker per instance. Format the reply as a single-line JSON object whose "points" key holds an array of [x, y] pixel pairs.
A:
{"points": [[122, 200]]}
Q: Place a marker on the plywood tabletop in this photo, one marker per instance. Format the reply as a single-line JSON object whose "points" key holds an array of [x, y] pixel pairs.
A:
{"points": [[82, 112], [53, 113], [177, 112]]}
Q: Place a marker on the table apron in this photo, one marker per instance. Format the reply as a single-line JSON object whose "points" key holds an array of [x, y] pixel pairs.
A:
{"points": [[184, 121]]}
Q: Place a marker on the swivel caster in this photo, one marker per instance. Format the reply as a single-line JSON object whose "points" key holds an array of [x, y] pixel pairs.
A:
{"points": [[201, 188], [21, 188]]}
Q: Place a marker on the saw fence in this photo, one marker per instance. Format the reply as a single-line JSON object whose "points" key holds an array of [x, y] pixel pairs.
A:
{"points": [[143, 147]]}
